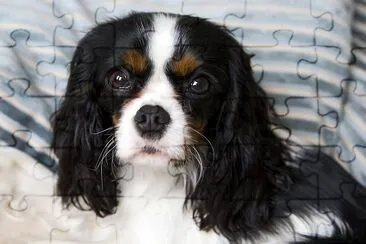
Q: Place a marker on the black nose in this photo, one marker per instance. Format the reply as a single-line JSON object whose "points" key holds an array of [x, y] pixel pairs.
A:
{"points": [[151, 121]]}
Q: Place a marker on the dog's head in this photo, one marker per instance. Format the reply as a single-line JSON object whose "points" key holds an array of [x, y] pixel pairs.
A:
{"points": [[161, 89]]}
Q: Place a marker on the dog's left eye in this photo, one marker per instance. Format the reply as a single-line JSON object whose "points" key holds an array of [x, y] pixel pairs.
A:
{"points": [[199, 85], [119, 79]]}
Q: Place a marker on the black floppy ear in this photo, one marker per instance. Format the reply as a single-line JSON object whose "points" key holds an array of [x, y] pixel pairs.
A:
{"points": [[78, 144], [234, 194]]}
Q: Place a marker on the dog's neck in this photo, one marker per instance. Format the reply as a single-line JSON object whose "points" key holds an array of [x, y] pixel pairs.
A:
{"points": [[151, 180]]}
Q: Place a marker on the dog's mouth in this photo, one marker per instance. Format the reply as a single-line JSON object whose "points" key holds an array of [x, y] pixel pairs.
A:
{"points": [[150, 150]]}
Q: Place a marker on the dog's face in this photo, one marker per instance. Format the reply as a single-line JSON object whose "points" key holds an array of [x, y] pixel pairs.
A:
{"points": [[156, 88], [162, 80], [166, 87]]}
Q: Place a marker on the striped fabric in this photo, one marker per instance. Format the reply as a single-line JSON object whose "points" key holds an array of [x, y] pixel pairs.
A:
{"points": [[308, 57]]}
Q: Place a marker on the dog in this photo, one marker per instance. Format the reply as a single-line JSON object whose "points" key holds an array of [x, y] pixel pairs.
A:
{"points": [[163, 125]]}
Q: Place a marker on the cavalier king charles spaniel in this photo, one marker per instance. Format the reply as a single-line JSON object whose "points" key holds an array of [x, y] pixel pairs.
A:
{"points": [[163, 125]]}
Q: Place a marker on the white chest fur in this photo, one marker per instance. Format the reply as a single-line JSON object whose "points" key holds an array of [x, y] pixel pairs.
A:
{"points": [[151, 210]]}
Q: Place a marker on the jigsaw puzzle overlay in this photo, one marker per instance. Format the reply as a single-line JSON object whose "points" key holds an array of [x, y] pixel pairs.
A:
{"points": [[310, 57]]}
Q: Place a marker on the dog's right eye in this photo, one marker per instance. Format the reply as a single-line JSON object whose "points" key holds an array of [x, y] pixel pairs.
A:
{"points": [[119, 79]]}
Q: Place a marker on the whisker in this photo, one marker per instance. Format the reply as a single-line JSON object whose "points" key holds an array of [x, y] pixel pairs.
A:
{"points": [[113, 165], [102, 153], [106, 154], [203, 136], [199, 160], [104, 148], [101, 178], [99, 132]]}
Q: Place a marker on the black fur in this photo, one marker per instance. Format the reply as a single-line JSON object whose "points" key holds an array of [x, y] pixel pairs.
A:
{"points": [[247, 156], [248, 188], [78, 145]]}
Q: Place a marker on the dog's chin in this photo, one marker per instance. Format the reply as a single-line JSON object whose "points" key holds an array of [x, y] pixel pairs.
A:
{"points": [[150, 156]]}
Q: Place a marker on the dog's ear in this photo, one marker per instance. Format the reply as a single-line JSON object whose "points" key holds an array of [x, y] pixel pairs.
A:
{"points": [[234, 194], [78, 141]]}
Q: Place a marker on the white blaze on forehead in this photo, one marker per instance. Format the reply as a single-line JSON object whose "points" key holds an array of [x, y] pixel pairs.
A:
{"points": [[157, 91], [162, 40], [160, 50]]}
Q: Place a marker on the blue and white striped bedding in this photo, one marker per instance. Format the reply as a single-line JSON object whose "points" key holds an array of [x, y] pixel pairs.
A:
{"points": [[303, 59]]}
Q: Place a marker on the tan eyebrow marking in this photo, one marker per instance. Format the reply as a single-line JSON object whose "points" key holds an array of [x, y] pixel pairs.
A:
{"points": [[135, 60], [115, 119], [187, 64]]}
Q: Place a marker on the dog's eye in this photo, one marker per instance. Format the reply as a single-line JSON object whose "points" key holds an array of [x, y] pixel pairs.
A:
{"points": [[199, 85], [119, 79]]}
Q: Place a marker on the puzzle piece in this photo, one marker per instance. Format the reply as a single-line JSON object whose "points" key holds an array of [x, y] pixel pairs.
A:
{"points": [[304, 120], [22, 67], [358, 70], [27, 142], [17, 49], [216, 11], [302, 227], [82, 15], [19, 116], [359, 39], [345, 135], [22, 175], [279, 79], [122, 9], [16, 219], [21, 192], [255, 30], [82, 227], [328, 83], [38, 37], [330, 193], [55, 71], [338, 35], [24, 93]]}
